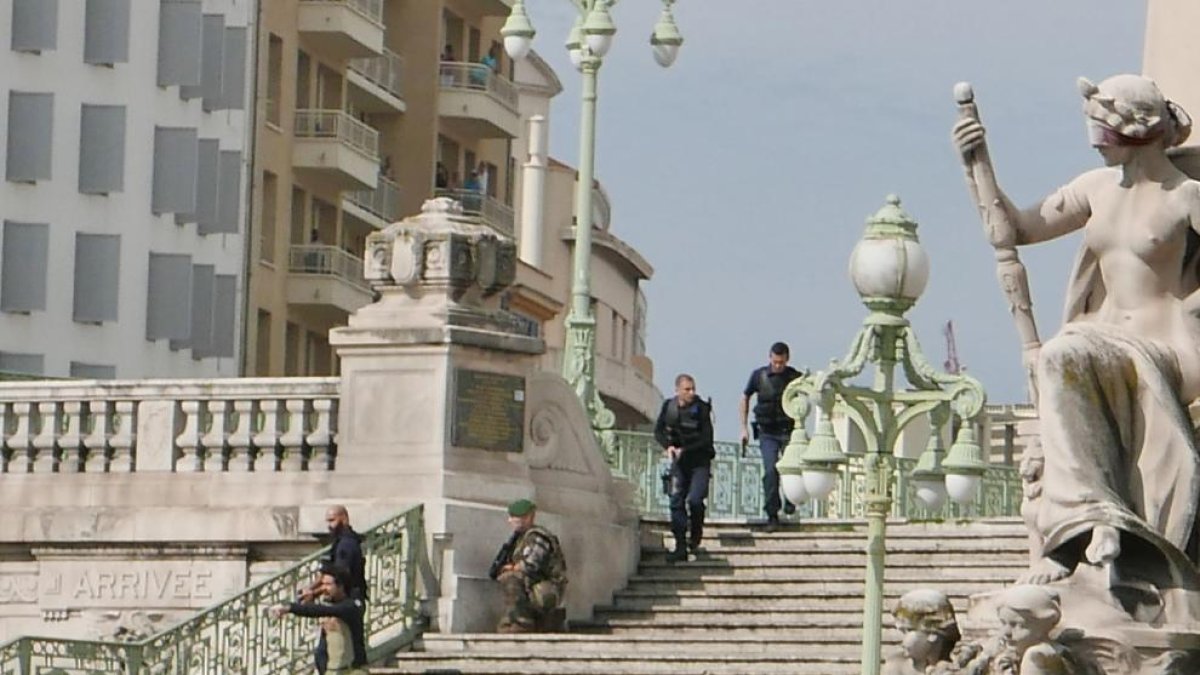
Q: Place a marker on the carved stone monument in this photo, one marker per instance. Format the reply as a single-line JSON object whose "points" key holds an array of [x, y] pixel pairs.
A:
{"points": [[1116, 483]]}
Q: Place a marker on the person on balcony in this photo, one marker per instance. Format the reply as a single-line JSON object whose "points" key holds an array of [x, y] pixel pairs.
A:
{"points": [[532, 572], [447, 68], [472, 198], [772, 427], [343, 638], [441, 177], [684, 429]]}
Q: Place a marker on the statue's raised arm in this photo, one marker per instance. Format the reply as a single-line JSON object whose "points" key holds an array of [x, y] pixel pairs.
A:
{"points": [[1121, 479]]}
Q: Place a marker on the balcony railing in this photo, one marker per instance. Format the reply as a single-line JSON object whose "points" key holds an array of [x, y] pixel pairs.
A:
{"points": [[478, 77], [493, 212], [385, 71], [337, 124], [327, 260], [369, 9], [383, 201]]}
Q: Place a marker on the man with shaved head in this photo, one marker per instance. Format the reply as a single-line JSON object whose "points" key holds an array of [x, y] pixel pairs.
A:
{"points": [[346, 550]]}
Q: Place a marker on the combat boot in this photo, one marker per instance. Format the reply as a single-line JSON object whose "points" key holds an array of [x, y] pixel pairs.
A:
{"points": [[680, 553]]}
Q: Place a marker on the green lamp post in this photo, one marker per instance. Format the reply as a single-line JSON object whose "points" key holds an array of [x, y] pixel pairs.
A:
{"points": [[889, 269], [587, 44]]}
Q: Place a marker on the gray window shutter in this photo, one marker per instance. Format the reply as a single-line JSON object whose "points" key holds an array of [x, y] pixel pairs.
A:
{"points": [[212, 53], [180, 28], [176, 156], [101, 149], [202, 313], [34, 25], [30, 133], [23, 266], [224, 315], [93, 371], [27, 364], [207, 182], [169, 297], [233, 80], [97, 263], [106, 32], [230, 195]]}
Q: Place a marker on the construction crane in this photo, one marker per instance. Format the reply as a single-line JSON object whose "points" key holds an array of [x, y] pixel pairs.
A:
{"points": [[951, 365]]}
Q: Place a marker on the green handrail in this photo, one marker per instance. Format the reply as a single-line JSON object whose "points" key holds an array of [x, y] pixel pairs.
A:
{"points": [[238, 636], [735, 487]]}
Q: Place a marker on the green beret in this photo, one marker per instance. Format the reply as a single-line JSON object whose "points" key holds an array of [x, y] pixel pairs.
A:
{"points": [[521, 507]]}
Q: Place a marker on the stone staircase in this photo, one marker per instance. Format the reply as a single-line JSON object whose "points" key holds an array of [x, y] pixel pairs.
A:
{"points": [[751, 604]]}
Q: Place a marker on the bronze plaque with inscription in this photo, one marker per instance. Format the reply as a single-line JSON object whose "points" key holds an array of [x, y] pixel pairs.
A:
{"points": [[488, 411]]}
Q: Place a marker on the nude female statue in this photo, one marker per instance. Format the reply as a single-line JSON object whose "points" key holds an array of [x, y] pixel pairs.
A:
{"points": [[1120, 457]]}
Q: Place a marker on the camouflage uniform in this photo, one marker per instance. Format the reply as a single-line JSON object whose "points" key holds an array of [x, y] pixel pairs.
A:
{"points": [[534, 588]]}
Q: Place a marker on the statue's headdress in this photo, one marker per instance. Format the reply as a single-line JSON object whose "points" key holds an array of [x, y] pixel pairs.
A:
{"points": [[1130, 110]]}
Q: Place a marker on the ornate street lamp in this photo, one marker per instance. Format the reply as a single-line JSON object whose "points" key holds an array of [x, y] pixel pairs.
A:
{"points": [[889, 269], [588, 42]]}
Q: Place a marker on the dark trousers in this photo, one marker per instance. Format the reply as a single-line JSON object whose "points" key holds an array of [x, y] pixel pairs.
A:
{"points": [[689, 489], [771, 446]]}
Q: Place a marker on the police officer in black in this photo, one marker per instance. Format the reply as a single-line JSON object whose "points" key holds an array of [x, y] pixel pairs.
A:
{"points": [[684, 430], [772, 426]]}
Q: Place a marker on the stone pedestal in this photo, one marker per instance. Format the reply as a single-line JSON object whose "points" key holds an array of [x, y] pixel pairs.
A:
{"points": [[442, 404]]}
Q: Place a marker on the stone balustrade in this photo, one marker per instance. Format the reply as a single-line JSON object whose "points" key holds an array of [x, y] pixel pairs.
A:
{"points": [[233, 425]]}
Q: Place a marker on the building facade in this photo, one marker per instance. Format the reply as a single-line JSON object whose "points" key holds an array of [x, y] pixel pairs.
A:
{"points": [[121, 253], [366, 108]]}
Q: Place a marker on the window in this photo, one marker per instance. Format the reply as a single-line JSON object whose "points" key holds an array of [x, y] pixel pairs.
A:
{"points": [[93, 371], [233, 76], [224, 315], [299, 217], [34, 25], [266, 221], [200, 335], [180, 43], [262, 343], [169, 297], [207, 176], [101, 149], [106, 32], [274, 78], [97, 263], [23, 266], [303, 80], [212, 49], [27, 364], [229, 193], [30, 132], [291, 351], [176, 158]]}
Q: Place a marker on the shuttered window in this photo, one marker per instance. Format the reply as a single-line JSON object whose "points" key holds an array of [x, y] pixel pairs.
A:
{"points": [[200, 338], [23, 266], [30, 133], [101, 149], [34, 25], [169, 297], [211, 63], [28, 364], [176, 157], [224, 315], [106, 32], [180, 31], [233, 79], [93, 371], [97, 266], [207, 181], [228, 217]]}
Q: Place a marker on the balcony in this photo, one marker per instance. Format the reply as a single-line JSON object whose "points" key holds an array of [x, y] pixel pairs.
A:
{"points": [[475, 102], [377, 83], [625, 387], [326, 280], [333, 147], [342, 29], [489, 210], [379, 207]]}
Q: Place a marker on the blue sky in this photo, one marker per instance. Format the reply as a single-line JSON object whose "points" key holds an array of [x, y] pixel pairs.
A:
{"points": [[745, 172]]}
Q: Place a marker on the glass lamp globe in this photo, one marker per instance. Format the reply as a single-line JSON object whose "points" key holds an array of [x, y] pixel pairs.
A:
{"points": [[793, 488], [963, 487], [818, 483]]}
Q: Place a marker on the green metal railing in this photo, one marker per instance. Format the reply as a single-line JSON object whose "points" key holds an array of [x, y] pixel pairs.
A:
{"points": [[735, 488], [238, 636]]}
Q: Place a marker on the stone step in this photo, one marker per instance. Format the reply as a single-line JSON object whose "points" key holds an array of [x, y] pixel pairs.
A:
{"points": [[763, 641], [812, 587], [623, 663], [815, 603], [816, 560], [691, 572]]}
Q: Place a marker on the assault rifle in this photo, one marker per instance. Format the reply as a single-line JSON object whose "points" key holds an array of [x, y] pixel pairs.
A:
{"points": [[502, 556]]}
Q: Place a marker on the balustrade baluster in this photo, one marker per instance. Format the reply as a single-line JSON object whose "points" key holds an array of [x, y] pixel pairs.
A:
{"points": [[42, 454], [214, 439], [266, 441], [123, 441], [5, 453], [321, 440], [191, 456], [240, 441], [291, 443], [95, 441], [70, 444]]}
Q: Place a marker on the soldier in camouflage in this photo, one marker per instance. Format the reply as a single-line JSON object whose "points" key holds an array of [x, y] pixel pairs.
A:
{"points": [[533, 574]]}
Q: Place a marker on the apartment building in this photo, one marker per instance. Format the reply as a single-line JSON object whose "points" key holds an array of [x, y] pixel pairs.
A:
{"points": [[366, 109], [121, 249]]}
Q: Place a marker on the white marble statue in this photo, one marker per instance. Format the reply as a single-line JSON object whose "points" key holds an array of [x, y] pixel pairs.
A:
{"points": [[1120, 461]]}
